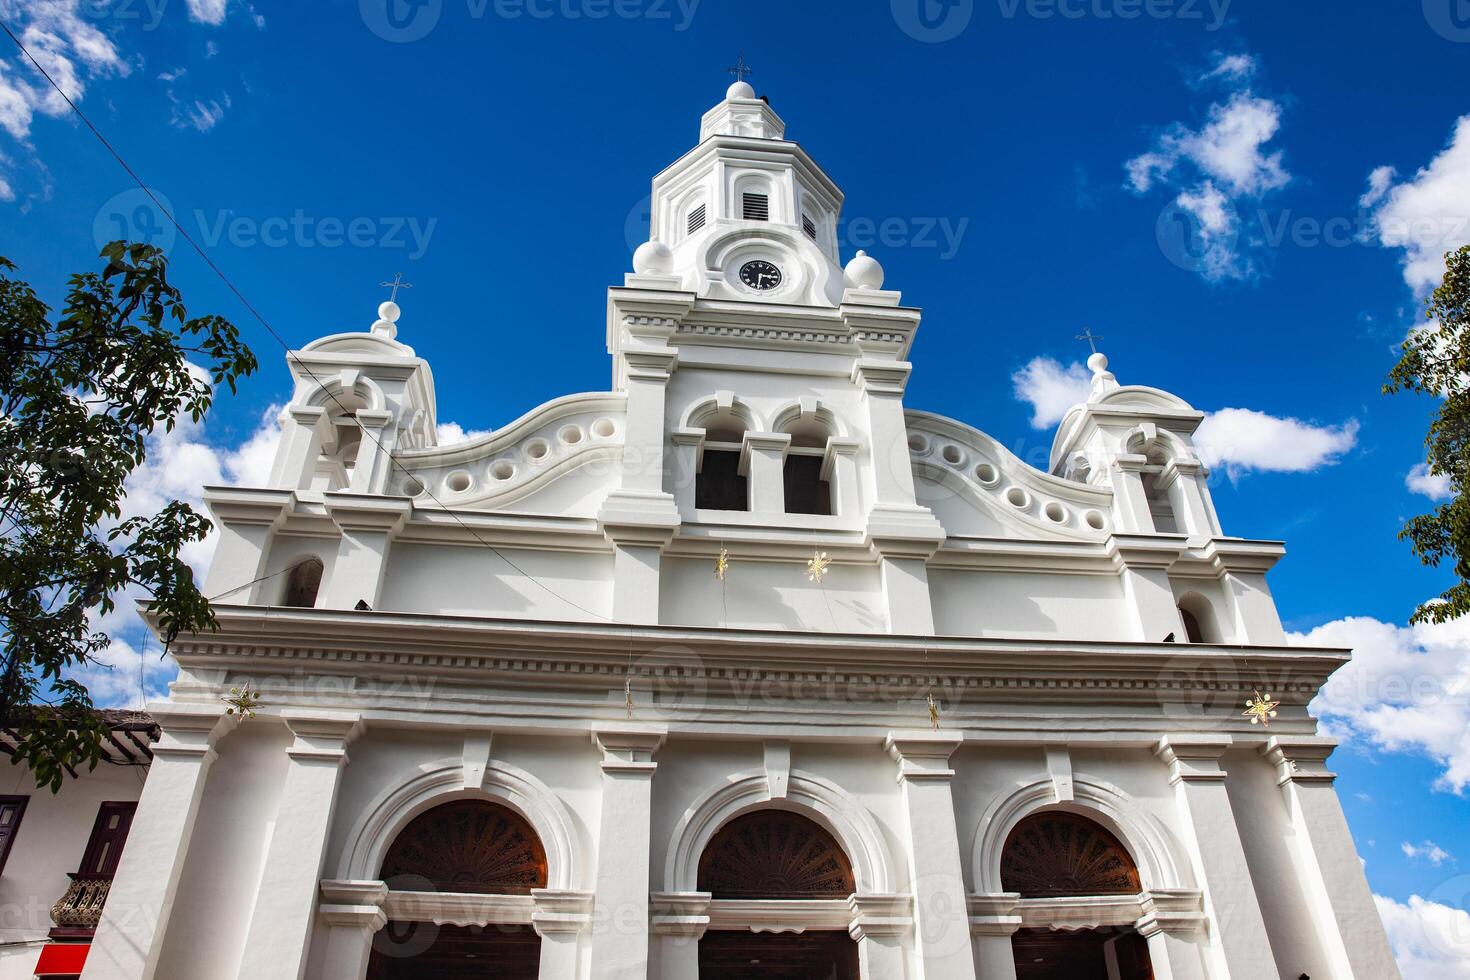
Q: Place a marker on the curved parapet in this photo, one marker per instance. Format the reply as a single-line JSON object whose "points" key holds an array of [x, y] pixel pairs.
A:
{"points": [[550, 442], [953, 460]]}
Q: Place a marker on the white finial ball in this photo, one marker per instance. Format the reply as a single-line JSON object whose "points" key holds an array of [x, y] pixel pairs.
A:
{"points": [[863, 272], [653, 258], [740, 90], [389, 311], [1098, 362]]}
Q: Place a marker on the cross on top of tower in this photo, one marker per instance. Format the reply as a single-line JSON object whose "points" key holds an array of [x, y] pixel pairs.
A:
{"points": [[740, 69], [1091, 338], [397, 283]]}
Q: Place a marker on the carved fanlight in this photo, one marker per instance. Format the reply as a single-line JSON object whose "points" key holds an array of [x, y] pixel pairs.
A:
{"points": [[1055, 854], [468, 846], [773, 854]]}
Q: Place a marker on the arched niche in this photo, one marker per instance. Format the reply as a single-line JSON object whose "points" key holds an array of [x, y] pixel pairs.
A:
{"points": [[303, 584], [1201, 625]]}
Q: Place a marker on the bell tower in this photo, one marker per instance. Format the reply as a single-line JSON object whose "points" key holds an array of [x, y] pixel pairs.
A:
{"points": [[746, 215]]}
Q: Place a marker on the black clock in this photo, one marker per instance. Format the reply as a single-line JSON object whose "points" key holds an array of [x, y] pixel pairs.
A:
{"points": [[760, 274]]}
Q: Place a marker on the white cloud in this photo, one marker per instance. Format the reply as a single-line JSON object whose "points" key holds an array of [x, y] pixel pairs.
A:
{"points": [[208, 11], [1051, 389], [1429, 851], [1431, 941], [67, 45], [1213, 166], [1435, 486], [452, 434], [1428, 214], [1243, 440], [1407, 689]]}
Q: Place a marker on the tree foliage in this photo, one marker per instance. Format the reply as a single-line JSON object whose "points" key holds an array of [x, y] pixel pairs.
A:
{"points": [[81, 393], [1436, 361]]}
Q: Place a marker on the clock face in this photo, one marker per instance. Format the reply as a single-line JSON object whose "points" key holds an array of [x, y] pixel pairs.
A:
{"points": [[760, 274]]}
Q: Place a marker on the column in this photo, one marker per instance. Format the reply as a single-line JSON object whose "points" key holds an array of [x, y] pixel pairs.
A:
{"points": [[1147, 591], [368, 525], [1242, 947], [134, 921], [639, 527], [1131, 514], [839, 469], [620, 937], [559, 919], [1199, 510], [763, 464], [879, 923], [375, 453], [994, 919], [680, 920], [941, 918], [1174, 927], [279, 936], [301, 444], [246, 520], [1249, 608], [1340, 902], [352, 912]]}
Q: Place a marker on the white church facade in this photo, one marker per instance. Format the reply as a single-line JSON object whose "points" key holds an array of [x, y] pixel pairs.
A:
{"points": [[742, 668]]}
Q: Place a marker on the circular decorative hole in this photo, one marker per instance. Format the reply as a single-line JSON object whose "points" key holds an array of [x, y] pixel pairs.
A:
{"points": [[459, 482], [413, 487], [987, 474], [537, 450], [570, 435], [604, 428], [918, 443], [1056, 513], [1017, 497], [953, 455], [502, 470], [1095, 520]]}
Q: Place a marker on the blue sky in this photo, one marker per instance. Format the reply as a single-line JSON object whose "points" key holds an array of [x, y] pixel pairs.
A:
{"points": [[1200, 181]]}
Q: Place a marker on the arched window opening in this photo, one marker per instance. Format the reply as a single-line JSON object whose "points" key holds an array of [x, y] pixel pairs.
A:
{"points": [[341, 441], [719, 484], [1160, 500], [303, 584], [1198, 617], [774, 854], [808, 490], [471, 846], [1057, 854]]}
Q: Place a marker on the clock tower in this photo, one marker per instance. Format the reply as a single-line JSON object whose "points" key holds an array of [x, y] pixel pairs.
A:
{"points": [[746, 214]]}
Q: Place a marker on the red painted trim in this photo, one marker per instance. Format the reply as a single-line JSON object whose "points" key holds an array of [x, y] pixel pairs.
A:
{"points": [[62, 959]]}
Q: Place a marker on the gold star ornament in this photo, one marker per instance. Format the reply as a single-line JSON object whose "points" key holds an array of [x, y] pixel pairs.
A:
{"points": [[242, 701], [817, 565], [1260, 709], [722, 564]]}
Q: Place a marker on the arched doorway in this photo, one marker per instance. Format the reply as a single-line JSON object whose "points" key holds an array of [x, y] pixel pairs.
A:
{"points": [[775, 856], [1056, 854], [470, 847]]}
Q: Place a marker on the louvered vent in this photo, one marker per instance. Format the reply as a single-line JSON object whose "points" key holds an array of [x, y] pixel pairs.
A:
{"points": [[809, 226], [757, 207], [696, 219]]}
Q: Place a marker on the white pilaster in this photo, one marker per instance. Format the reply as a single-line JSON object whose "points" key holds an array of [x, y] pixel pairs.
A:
{"points": [[941, 918], [679, 920], [1242, 947], [1339, 900], [639, 525], [1144, 566], [279, 936], [375, 455], [1174, 927], [246, 520], [301, 443], [560, 919], [994, 919], [620, 952], [839, 469], [879, 923], [351, 913], [368, 525], [135, 919], [763, 464]]}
